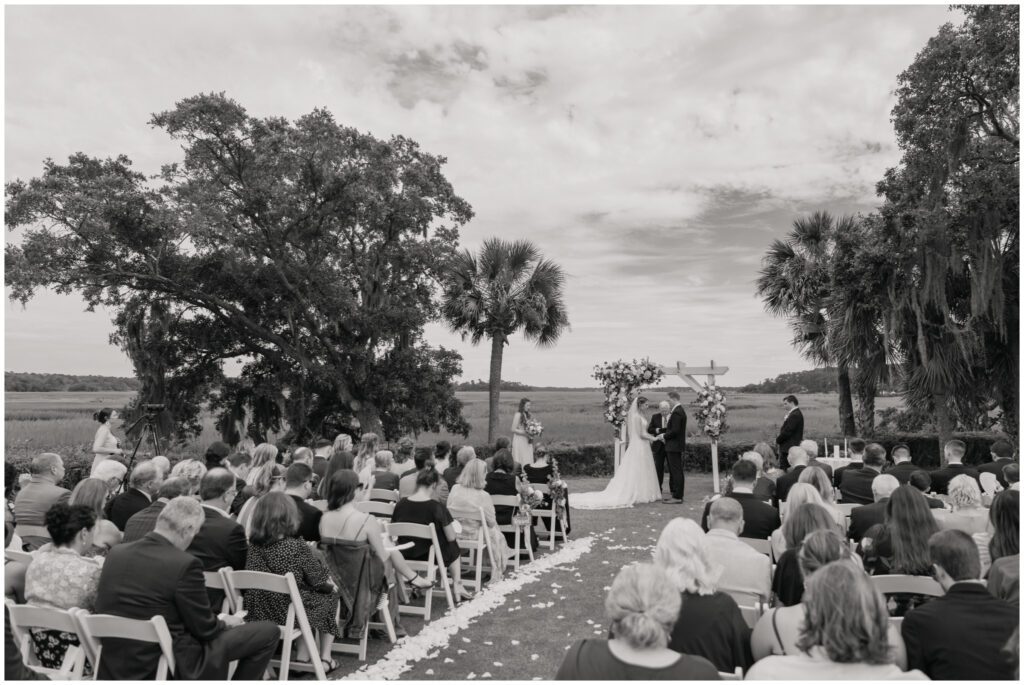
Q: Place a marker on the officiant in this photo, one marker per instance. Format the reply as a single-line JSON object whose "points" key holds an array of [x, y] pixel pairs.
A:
{"points": [[656, 427]]}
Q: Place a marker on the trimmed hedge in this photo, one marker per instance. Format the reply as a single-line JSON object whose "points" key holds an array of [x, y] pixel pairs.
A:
{"points": [[597, 460]]}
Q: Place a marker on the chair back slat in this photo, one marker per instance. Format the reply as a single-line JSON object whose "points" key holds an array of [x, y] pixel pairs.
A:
{"points": [[258, 580], [382, 509], [26, 616], [736, 675], [918, 585], [542, 488], [422, 531], [505, 500], [95, 627], [846, 508], [18, 555], [382, 494], [320, 504], [762, 546]]}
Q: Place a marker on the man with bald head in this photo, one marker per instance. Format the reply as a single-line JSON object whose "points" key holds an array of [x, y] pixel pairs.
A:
{"points": [[862, 518], [744, 569], [37, 496], [656, 427]]}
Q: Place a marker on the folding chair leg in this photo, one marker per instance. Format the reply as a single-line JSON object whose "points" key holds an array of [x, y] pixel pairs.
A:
{"points": [[389, 625], [286, 657]]}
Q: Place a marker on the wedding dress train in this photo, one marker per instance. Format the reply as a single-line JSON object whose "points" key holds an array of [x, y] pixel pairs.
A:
{"points": [[635, 481]]}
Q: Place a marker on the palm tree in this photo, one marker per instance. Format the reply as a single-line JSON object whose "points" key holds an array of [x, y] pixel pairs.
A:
{"points": [[795, 282], [509, 287]]}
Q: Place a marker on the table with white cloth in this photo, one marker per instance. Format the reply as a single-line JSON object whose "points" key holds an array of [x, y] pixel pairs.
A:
{"points": [[835, 462]]}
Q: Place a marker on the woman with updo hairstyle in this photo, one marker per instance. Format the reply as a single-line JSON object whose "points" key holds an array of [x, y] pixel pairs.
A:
{"points": [[845, 633], [968, 513], [191, 470], [422, 507], [62, 575], [641, 606], [105, 444], [94, 494]]}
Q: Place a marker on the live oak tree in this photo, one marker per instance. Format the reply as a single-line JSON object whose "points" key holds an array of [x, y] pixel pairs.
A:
{"points": [[306, 252]]}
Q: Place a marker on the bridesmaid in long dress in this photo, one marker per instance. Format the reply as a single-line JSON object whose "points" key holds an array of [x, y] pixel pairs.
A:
{"points": [[522, 448]]}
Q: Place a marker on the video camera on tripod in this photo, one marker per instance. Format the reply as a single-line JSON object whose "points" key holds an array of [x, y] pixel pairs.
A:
{"points": [[149, 414]]}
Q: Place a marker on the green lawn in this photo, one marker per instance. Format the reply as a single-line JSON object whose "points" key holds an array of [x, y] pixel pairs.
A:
{"points": [[520, 641]]}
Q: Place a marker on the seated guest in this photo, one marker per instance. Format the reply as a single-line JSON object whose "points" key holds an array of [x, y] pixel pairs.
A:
{"points": [[899, 545], [277, 548], [903, 466], [744, 570], [960, 635], [451, 474], [710, 624], [239, 464], [1003, 547], [759, 518], [322, 450], [383, 477], [143, 523], [302, 455], [111, 474], [1001, 453], [501, 480], [541, 471], [856, 448], [923, 482], [856, 485], [145, 483], [405, 457], [764, 487], [219, 542], [14, 571], [424, 508], [36, 497], [442, 456], [156, 576], [407, 483], [269, 478], [466, 501], [778, 630], [868, 515], [787, 583], [298, 484], [93, 493], [642, 607], [342, 459], [162, 463], [192, 470], [816, 477], [1011, 472], [215, 455], [799, 494], [770, 461], [265, 453], [811, 447], [844, 634], [954, 451], [499, 445], [797, 463], [62, 576], [967, 515]]}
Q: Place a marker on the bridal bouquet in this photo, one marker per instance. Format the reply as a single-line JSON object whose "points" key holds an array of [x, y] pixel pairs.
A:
{"points": [[533, 429], [620, 379]]}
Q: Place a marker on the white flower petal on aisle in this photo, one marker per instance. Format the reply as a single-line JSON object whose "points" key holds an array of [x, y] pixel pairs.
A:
{"points": [[437, 634]]}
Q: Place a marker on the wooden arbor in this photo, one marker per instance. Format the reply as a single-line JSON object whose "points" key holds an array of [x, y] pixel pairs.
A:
{"points": [[687, 373]]}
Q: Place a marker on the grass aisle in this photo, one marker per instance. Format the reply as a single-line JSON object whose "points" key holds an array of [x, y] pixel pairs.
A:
{"points": [[526, 637]]}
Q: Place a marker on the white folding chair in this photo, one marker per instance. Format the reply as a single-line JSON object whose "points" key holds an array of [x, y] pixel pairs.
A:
{"points": [[758, 545], [383, 495], [735, 675], [18, 555], [92, 628], [25, 617], [550, 516], [434, 563], [847, 509], [513, 501], [752, 604], [379, 509], [918, 585], [320, 504], [296, 623], [476, 549]]}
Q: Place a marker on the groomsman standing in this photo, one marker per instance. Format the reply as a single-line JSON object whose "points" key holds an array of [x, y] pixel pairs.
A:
{"points": [[656, 427], [792, 432]]}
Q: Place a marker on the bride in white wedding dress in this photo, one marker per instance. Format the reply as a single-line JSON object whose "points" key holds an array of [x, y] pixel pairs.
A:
{"points": [[635, 481]]}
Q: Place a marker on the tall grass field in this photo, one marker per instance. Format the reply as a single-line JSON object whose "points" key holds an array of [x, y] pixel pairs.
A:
{"points": [[62, 422]]}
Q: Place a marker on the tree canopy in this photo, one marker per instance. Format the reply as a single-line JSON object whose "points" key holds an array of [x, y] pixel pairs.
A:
{"points": [[307, 251]]}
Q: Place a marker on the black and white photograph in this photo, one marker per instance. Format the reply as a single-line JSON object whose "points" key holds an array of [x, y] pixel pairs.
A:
{"points": [[512, 342]]}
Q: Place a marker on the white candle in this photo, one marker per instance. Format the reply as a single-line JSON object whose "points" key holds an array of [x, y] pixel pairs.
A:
{"points": [[836, 451], [826, 446]]}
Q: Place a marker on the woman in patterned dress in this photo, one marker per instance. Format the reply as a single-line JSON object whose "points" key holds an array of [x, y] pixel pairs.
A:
{"points": [[61, 576], [274, 547]]}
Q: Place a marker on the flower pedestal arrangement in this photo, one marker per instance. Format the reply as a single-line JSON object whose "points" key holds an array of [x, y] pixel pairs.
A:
{"points": [[711, 409]]}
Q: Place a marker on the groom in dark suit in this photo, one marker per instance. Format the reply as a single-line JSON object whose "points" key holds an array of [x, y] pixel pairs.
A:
{"points": [[656, 427], [792, 432], [674, 439]]}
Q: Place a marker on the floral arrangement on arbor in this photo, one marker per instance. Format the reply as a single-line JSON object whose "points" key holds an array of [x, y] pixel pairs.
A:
{"points": [[711, 411], [557, 488], [620, 379]]}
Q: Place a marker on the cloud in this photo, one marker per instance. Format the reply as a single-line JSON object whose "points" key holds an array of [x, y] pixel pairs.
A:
{"points": [[654, 152]]}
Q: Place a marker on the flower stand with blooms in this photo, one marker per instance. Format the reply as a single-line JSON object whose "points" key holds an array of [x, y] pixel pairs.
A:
{"points": [[711, 409]]}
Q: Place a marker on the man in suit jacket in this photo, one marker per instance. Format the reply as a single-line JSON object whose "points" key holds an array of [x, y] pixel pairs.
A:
{"points": [[759, 518], [856, 455], [323, 449], [904, 465], [674, 438], [863, 517], [462, 457], [154, 576], [298, 484], [923, 482], [856, 485], [797, 459], [145, 483], [1002, 454], [961, 635], [37, 496], [144, 522], [792, 431], [657, 426], [220, 541], [955, 451], [383, 477]]}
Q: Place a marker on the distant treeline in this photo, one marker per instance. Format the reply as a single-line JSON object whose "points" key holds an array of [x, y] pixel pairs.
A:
{"points": [[58, 382], [815, 380]]}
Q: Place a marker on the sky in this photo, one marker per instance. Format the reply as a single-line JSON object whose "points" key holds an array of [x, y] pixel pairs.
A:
{"points": [[653, 152]]}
